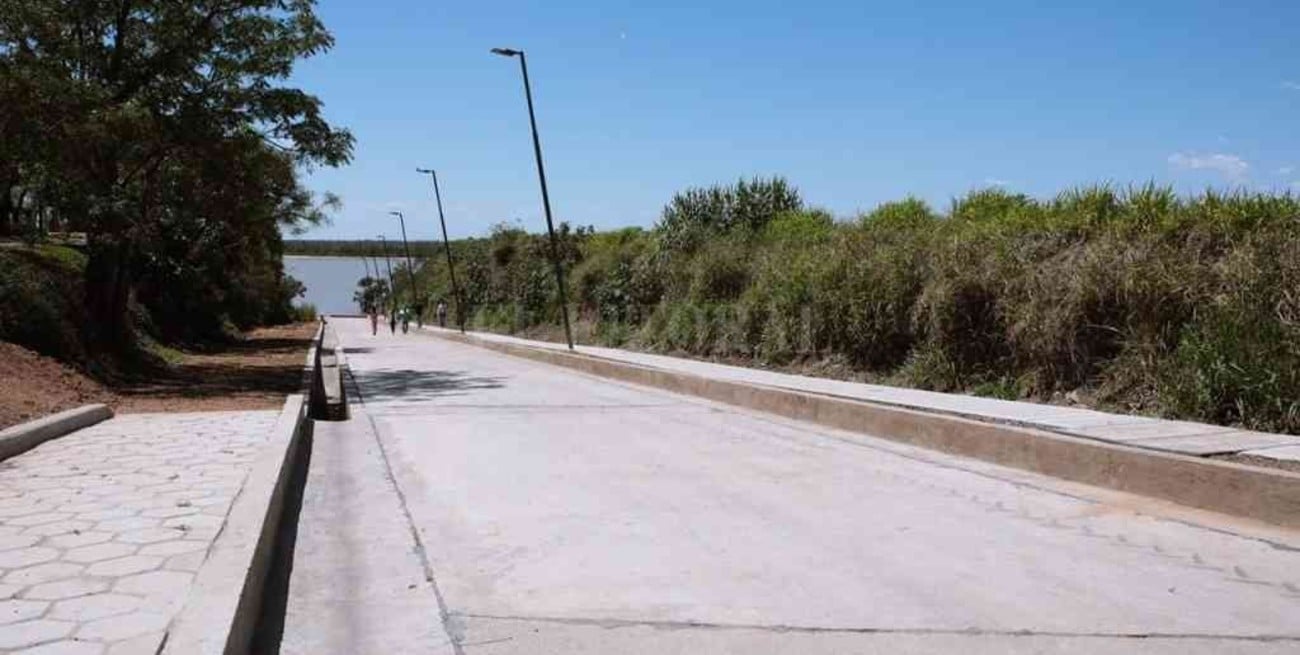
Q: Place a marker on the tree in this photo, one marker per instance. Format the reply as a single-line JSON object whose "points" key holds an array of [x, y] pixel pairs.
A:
{"points": [[157, 126]]}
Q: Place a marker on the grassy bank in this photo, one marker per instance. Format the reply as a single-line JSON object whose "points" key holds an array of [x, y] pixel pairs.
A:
{"points": [[1137, 300]]}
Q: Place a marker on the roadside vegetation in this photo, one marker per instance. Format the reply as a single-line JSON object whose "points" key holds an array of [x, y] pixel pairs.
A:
{"points": [[1135, 299], [162, 142]]}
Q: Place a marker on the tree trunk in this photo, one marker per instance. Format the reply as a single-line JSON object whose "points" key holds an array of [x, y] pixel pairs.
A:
{"points": [[108, 287]]}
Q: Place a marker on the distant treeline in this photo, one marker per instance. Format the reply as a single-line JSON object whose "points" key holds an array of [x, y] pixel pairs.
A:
{"points": [[327, 248]]}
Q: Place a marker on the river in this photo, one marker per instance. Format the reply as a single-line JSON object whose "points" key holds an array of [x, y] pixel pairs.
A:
{"points": [[330, 281]]}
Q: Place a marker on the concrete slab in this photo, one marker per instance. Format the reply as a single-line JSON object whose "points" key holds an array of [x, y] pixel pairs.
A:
{"points": [[1215, 443], [653, 522], [358, 585], [1116, 428], [1285, 453]]}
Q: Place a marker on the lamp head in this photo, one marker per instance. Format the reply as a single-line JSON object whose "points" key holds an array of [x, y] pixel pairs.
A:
{"points": [[506, 52], [397, 214], [425, 171]]}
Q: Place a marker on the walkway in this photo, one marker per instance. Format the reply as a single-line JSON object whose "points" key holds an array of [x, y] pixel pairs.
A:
{"points": [[559, 512], [1184, 437], [101, 530]]}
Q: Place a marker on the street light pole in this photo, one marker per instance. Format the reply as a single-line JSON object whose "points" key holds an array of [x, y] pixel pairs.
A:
{"points": [[451, 267], [392, 290], [546, 198], [410, 269]]}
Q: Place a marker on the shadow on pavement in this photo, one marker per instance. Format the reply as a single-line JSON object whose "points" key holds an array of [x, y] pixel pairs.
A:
{"points": [[408, 384]]}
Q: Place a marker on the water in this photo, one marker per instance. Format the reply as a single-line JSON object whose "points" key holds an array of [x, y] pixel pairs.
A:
{"points": [[330, 281]]}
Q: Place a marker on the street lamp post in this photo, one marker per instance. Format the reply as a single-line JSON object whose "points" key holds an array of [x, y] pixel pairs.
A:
{"points": [[392, 290], [446, 245], [546, 198], [410, 270]]}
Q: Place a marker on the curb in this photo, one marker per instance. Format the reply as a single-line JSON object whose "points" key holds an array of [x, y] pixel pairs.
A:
{"points": [[221, 612], [1266, 495], [26, 436]]}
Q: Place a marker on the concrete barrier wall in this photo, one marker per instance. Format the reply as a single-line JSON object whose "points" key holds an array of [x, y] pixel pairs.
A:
{"points": [[21, 438], [1263, 494], [222, 610]]}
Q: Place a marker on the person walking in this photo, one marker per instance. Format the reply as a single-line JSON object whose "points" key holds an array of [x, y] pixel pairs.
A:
{"points": [[441, 311], [374, 320], [392, 321], [406, 319]]}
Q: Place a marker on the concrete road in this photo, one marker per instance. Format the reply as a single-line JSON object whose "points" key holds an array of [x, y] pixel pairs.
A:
{"points": [[561, 513]]}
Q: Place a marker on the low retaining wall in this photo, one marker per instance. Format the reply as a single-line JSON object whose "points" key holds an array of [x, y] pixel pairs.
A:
{"points": [[24, 437], [1263, 494], [225, 599]]}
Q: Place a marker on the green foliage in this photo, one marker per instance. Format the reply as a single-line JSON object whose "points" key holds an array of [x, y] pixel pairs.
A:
{"points": [[1188, 307], [40, 301], [305, 313], [166, 133], [696, 216]]}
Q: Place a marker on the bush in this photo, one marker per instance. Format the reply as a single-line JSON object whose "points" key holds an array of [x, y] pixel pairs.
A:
{"points": [[1185, 307]]}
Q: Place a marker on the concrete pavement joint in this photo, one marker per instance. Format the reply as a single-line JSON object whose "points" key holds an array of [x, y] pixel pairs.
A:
{"points": [[448, 625], [974, 632]]}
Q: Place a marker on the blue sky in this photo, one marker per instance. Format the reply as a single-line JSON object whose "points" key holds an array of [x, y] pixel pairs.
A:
{"points": [[856, 103]]}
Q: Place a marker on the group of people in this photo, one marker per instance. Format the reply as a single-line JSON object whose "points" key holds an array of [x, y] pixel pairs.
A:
{"points": [[403, 316]]}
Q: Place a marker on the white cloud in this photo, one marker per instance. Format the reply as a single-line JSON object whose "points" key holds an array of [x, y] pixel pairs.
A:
{"points": [[1291, 85], [1230, 166]]}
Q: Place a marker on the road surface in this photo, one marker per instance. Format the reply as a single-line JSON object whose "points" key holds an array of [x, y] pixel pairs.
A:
{"points": [[562, 513]]}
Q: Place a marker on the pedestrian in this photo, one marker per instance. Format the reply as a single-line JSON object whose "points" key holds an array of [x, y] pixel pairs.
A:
{"points": [[406, 319], [374, 320], [442, 314], [392, 321]]}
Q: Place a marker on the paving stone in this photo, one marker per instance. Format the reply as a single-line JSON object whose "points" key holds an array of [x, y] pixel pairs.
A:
{"points": [[156, 583], [178, 547], [38, 519], [70, 588], [77, 539], [21, 557], [65, 647], [149, 536], [12, 611], [187, 562], [29, 633], [58, 528], [123, 626], [124, 566], [96, 606], [146, 644], [98, 552], [9, 542]]}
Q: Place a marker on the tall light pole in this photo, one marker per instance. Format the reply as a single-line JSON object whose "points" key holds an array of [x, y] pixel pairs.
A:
{"points": [[392, 290], [410, 268], [546, 198], [446, 245]]}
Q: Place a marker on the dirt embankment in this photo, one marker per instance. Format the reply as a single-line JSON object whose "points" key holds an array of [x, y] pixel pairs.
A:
{"points": [[255, 372], [34, 386]]}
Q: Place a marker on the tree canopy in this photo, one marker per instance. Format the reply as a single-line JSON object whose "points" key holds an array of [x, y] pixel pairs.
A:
{"points": [[166, 131]]}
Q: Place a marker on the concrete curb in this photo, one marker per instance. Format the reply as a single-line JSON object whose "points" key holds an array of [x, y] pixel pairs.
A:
{"points": [[221, 612], [1263, 494], [26, 436]]}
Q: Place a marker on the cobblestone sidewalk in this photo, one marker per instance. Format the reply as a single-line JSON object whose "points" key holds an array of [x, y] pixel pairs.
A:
{"points": [[101, 531]]}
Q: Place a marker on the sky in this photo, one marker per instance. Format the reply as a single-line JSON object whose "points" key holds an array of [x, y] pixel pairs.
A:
{"points": [[854, 102]]}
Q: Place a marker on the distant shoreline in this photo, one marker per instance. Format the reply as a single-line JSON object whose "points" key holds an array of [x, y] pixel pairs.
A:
{"points": [[325, 256]]}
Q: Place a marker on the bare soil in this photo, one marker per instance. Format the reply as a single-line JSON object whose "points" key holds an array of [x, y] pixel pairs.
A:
{"points": [[254, 372], [32, 386]]}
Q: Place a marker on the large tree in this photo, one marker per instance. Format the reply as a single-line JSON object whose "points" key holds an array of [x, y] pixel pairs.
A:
{"points": [[164, 129]]}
